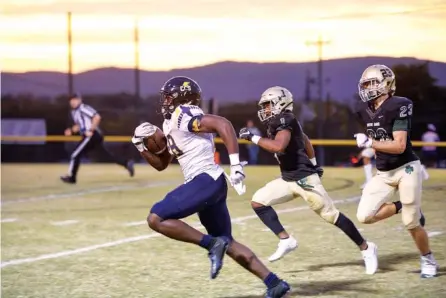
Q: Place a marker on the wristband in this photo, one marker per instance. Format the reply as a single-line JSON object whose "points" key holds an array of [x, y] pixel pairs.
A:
{"points": [[255, 139], [234, 159], [313, 161]]}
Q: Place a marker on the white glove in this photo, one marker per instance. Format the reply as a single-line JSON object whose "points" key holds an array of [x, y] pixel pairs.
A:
{"points": [[237, 174], [363, 141], [145, 130], [139, 144]]}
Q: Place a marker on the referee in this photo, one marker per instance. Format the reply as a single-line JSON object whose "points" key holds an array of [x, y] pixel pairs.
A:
{"points": [[86, 123]]}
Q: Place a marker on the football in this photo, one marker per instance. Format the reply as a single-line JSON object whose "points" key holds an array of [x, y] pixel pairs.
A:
{"points": [[156, 143]]}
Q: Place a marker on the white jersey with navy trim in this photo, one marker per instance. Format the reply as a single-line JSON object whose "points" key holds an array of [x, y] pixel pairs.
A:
{"points": [[83, 116], [194, 150]]}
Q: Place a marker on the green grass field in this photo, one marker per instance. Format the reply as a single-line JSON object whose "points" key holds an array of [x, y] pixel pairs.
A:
{"points": [[91, 239]]}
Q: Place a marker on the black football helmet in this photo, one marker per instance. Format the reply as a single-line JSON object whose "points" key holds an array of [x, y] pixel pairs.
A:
{"points": [[177, 91]]}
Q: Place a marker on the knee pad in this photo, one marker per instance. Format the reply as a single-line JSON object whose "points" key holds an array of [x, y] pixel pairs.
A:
{"points": [[324, 207], [363, 217], [330, 215], [410, 215]]}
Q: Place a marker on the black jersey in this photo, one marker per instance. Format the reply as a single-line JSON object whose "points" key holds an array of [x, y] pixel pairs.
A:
{"points": [[294, 162], [394, 114]]}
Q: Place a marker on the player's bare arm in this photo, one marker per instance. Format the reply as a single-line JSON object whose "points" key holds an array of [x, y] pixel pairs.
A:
{"points": [[222, 126], [276, 145], [159, 161], [309, 147], [396, 146]]}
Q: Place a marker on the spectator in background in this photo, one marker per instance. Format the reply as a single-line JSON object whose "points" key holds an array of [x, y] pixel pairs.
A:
{"points": [[429, 153], [253, 150]]}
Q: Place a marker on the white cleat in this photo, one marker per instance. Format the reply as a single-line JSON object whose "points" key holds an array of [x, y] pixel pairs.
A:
{"points": [[429, 266], [285, 246], [370, 256]]}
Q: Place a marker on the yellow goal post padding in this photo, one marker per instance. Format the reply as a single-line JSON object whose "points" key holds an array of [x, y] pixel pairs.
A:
{"points": [[57, 138]]}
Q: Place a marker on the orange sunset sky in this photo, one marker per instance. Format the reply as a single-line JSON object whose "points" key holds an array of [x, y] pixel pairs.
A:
{"points": [[176, 34]]}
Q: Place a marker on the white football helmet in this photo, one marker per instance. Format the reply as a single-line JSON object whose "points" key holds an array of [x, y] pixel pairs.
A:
{"points": [[376, 80], [273, 101]]}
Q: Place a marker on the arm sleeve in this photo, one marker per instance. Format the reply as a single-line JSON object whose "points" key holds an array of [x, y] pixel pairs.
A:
{"points": [[402, 114], [187, 118]]}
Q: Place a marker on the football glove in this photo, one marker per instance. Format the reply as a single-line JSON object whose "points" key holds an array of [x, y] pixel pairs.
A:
{"points": [[363, 141], [145, 130], [245, 134], [139, 144], [237, 175]]}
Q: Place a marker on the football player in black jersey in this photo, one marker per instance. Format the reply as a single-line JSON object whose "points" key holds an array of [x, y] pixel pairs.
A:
{"points": [[300, 176], [387, 121]]}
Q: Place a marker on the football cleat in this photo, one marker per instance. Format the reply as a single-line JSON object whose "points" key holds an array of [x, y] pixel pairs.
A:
{"points": [[68, 179], [285, 246], [278, 291], [429, 266], [131, 168], [216, 255], [370, 256]]}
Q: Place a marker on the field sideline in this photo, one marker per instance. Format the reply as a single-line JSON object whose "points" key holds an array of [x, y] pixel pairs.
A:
{"points": [[91, 239]]}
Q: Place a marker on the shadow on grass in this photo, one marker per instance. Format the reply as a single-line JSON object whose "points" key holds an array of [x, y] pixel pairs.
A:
{"points": [[316, 288]]}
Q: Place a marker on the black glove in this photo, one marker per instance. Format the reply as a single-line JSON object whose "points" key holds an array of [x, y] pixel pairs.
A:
{"points": [[319, 170], [245, 134]]}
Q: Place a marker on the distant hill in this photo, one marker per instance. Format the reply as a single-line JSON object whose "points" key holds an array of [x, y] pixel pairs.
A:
{"points": [[226, 81]]}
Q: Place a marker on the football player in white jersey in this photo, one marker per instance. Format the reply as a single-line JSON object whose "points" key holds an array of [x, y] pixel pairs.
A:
{"points": [[189, 134]]}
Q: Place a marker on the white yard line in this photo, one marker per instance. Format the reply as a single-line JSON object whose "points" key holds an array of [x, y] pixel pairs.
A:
{"points": [[8, 220], [434, 233], [64, 222], [142, 237], [85, 192]]}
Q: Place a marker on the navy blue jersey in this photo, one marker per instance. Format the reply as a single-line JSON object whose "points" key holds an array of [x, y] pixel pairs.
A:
{"points": [[294, 162], [394, 114]]}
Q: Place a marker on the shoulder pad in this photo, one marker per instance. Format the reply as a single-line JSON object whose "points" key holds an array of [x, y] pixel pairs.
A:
{"points": [[283, 121]]}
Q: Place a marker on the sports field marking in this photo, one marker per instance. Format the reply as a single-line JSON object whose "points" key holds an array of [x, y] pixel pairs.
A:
{"points": [[135, 223], [5, 220], [139, 238], [434, 233], [64, 222], [85, 192]]}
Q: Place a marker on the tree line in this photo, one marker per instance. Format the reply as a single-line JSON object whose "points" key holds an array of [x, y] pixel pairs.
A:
{"points": [[121, 113]]}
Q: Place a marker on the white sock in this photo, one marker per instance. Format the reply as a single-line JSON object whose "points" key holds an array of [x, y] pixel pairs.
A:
{"points": [[368, 172]]}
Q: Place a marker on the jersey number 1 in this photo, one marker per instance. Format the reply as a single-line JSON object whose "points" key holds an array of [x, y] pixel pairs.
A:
{"points": [[173, 148]]}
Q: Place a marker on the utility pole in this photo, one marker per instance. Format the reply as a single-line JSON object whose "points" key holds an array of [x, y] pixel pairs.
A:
{"points": [[320, 43], [70, 56], [137, 77]]}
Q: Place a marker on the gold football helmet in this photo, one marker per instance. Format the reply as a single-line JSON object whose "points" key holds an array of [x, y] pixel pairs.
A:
{"points": [[376, 80]]}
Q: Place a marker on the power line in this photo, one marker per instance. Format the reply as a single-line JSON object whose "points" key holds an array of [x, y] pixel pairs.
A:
{"points": [[361, 15], [320, 43]]}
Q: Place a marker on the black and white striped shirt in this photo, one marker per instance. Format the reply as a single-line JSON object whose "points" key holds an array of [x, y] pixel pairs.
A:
{"points": [[83, 116]]}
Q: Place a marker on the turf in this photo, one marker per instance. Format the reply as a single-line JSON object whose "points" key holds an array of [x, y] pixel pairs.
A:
{"points": [[42, 216]]}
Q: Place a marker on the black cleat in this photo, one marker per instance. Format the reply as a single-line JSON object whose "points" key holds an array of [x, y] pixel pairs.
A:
{"points": [[68, 179], [422, 220], [131, 168], [278, 291], [216, 255]]}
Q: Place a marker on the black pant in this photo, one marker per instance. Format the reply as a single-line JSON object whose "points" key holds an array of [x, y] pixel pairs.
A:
{"points": [[87, 144]]}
